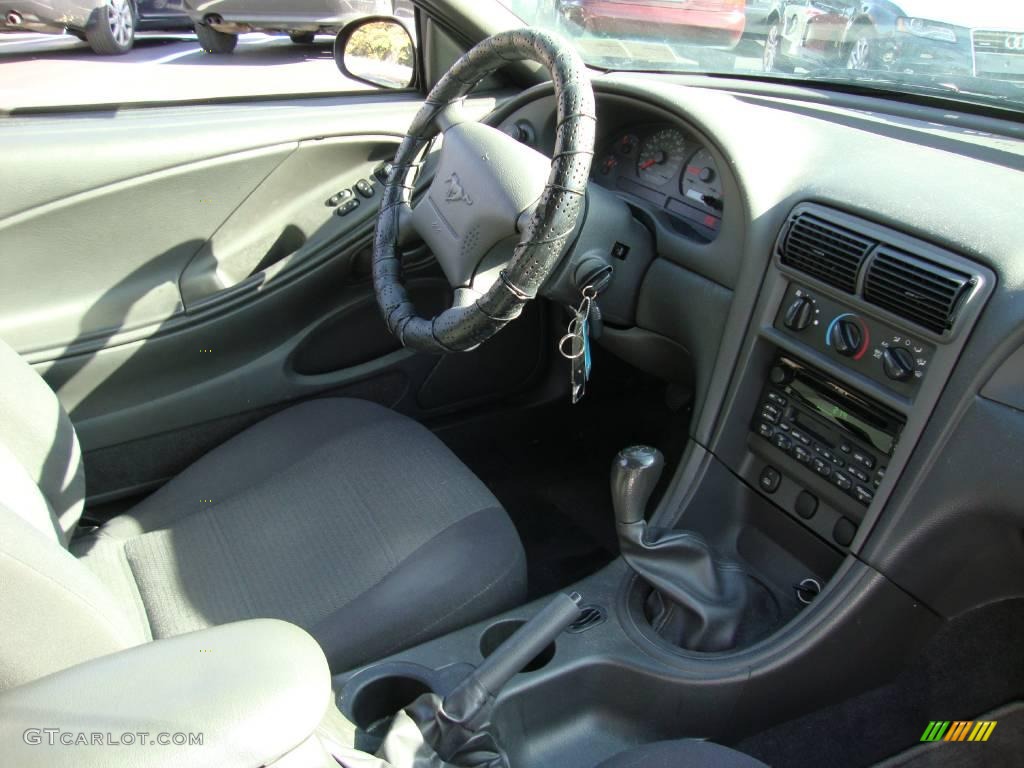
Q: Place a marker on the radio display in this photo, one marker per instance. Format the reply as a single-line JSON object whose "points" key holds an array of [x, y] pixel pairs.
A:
{"points": [[847, 417]]}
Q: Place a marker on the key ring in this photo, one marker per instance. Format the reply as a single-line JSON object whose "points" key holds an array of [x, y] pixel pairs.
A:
{"points": [[569, 337]]}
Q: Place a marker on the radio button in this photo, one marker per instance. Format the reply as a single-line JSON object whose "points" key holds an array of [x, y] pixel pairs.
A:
{"points": [[802, 455], [864, 496], [825, 453], [859, 473], [865, 459], [841, 481], [771, 412], [798, 435], [823, 468], [776, 398], [782, 442], [764, 429], [845, 447]]}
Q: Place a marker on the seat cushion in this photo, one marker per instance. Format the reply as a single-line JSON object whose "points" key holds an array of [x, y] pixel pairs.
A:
{"points": [[685, 753], [338, 515]]}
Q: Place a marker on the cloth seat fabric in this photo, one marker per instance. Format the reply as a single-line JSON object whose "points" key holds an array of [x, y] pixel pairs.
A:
{"points": [[338, 515]]}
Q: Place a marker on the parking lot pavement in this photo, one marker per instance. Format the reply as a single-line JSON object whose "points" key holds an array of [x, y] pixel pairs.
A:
{"points": [[49, 70]]}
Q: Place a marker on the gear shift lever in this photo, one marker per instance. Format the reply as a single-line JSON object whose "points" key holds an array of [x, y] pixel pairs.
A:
{"points": [[709, 591], [635, 472]]}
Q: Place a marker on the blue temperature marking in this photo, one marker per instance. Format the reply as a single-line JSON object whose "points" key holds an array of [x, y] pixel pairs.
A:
{"points": [[828, 332]]}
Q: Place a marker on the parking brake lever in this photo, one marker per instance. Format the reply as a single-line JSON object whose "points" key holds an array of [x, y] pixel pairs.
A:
{"points": [[466, 700], [456, 728]]}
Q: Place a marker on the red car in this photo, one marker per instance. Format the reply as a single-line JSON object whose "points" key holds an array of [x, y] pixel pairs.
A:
{"points": [[709, 23]]}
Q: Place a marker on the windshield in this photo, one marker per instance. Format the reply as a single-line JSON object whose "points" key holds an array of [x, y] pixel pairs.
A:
{"points": [[970, 50]]}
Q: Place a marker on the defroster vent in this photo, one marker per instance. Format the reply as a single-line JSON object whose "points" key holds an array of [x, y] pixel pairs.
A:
{"points": [[825, 250], [916, 289]]}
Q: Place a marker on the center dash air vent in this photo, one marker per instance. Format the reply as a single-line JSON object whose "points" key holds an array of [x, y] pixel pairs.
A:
{"points": [[825, 250], [915, 289]]}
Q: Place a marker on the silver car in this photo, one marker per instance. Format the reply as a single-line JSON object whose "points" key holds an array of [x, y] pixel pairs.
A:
{"points": [[219, 22], [108, 26]]}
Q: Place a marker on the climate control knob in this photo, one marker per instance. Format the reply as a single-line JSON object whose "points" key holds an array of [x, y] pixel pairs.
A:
{"points": [[898, 363], [800, 313], [846, 337]]}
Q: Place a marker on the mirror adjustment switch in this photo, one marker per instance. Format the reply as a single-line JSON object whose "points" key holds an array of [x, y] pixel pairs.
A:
{"points": [[364, 188], [381, 172], [347, 207]]}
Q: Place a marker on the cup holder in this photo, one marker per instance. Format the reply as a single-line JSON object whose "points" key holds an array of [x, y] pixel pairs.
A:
{"points": [[378, 700], [498, 633]]}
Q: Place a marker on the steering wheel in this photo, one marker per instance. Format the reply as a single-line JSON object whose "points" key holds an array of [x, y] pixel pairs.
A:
{"points": [[488, 188]]}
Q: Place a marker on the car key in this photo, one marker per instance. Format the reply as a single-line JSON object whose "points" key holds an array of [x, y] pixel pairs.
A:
{"points": [[575, 345]]}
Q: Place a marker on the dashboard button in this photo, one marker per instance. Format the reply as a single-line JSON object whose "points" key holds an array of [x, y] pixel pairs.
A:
{"points": [[769, 479], [843, 531], [797, 435], [859, 473], [782, 442], [764, 429], [802, 455], [841, 481], [864, 459], [822, 467], [776, 398], [806, 505], [770, 415], [864, 496]]}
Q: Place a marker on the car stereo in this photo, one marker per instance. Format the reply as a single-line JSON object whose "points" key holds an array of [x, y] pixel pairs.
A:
{"points": [[842, 436]]}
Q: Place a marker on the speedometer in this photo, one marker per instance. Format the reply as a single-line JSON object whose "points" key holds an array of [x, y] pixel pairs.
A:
{"points": [[661, 157]]}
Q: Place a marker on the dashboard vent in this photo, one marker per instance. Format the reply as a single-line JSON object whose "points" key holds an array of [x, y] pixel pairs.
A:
{"points": [[915, 289], [826, 251]]}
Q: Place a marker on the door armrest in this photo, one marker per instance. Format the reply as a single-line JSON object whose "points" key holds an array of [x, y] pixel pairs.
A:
{"points": [[252, 691]]}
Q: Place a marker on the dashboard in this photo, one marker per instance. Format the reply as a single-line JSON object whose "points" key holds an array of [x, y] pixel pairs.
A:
{"points": [[890, 356], [669, 168]]}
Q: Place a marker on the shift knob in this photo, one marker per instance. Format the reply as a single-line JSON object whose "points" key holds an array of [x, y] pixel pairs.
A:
{"points": [[635, 472]]}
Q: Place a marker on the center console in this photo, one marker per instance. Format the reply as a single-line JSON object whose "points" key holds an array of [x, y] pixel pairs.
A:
{"points": [[858, 328]]}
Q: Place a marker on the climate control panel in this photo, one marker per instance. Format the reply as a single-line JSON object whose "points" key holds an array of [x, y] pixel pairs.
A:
{"points": [[854, 339]]}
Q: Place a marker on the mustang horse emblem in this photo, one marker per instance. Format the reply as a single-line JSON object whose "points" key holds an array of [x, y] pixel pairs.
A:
{"points": [[455, 191]]}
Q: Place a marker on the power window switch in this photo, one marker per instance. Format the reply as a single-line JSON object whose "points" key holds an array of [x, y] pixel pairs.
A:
{"points": [[339, 198], [347, 207]]}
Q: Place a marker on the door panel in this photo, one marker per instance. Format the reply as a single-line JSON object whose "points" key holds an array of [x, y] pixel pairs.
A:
{"points": [[111, 256], [193, 280]]}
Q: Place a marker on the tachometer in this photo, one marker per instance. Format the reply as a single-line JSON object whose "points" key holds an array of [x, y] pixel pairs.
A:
{"points": [[661, 157]]}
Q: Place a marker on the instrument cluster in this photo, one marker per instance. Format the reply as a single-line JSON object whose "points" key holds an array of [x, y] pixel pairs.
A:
{"points": [[666, 166]]}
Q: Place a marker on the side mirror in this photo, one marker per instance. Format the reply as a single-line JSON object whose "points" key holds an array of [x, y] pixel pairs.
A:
{"points": [[377, 50]]}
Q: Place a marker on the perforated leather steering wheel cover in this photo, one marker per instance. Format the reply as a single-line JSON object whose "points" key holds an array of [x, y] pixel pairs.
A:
{"points": [[551, 223]]}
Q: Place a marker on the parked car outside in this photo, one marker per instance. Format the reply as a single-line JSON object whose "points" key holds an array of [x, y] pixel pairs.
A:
{"points": [[219, 22], [923, 37], [109, 26], [706, 23], [758, 12]]}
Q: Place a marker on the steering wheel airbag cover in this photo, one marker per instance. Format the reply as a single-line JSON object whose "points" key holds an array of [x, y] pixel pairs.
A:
{"points": [[551, 224]]}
